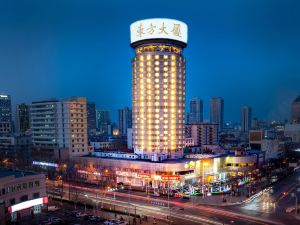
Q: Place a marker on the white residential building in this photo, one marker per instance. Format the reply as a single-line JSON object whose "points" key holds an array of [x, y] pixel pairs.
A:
{"points": [[60, 124]]}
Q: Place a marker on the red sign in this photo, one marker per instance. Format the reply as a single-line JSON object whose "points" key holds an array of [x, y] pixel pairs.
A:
{"points": [[170, 177], [143, 175]]}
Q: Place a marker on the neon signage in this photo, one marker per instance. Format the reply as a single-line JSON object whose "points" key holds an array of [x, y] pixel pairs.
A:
{"points": [[170, 177], [37, 163], [27, 204]]}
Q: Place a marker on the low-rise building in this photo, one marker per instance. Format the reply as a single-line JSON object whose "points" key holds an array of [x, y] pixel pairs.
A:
{"points": [[127, 168], [21, 193], [273, 148], [205, 135], [292, 131]]}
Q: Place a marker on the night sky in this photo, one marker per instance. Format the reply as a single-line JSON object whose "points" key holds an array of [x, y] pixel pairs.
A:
{"points": [[247, 52]]}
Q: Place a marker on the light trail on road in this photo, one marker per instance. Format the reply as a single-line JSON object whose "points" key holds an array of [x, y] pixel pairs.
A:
{"points": [[214, 211]]}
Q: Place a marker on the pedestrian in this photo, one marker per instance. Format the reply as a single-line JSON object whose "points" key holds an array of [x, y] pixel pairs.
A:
{"points": [[140, 220]]}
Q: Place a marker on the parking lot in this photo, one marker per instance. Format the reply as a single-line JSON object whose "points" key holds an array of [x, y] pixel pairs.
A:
{"points": [[82, 216]]}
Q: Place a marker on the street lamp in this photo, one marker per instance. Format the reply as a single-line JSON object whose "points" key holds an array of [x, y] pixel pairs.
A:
{"points": [[129, 191], [296, 198], [169, 202], [85, 203], [203, 175]]}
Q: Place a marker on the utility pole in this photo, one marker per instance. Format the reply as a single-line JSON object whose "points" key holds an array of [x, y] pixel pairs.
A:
{"points": [[296, 206], [169, 202]]}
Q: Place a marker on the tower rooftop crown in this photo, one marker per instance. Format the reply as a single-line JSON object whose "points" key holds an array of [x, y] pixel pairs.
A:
{"points": [[158, 29]]}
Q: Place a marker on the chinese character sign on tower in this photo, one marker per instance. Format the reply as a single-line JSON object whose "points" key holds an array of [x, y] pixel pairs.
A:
{"points": [[158, 29]]}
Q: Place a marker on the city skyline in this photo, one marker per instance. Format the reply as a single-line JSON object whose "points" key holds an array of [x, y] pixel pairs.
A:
{"points": [[179, 146], [227, 56]]}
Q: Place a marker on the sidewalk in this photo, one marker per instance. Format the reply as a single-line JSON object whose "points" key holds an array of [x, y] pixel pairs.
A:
{"points": [[217, 200], [150, 220]]}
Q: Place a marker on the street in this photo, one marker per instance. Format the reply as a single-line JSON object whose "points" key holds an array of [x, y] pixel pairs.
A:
{"points": [[273, 203], [181, 211]]}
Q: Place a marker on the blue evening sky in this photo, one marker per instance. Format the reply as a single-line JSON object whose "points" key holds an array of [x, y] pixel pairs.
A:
{"points": [[248, 52]]}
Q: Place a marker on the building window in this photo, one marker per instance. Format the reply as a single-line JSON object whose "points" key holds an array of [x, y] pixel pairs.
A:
{"points": [[19, 187], [12, 201], [37, 183], [36, 195], [24, 198], [24, 185]]}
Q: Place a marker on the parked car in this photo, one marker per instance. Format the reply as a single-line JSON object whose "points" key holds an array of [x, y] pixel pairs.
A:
{"points": [[115, 222], [56, 220], [290, 209], [53, 208], [155, 194]]}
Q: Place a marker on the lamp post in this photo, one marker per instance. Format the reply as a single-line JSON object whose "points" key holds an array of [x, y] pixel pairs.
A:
{"points": [[169, 202], [203, 176], [296, 206], [97, 202], [85, 203], [129, 192]]}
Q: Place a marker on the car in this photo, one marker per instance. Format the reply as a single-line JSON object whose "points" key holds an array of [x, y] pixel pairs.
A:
{"points": [[80, 214], [290, 209], [56, 220], [53, 219], [114, 222], [185, 196], [73, 213], [92, 218], [87, 216], [155, 194], [53, 208], [122, 223]]}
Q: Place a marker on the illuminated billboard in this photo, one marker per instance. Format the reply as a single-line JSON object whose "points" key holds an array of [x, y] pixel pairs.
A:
{"points": [[27, 204], [158, 28], [47, 164]]}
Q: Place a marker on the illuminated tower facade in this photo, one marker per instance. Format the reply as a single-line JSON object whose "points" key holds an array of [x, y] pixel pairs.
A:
{"points": [[158, 88]]}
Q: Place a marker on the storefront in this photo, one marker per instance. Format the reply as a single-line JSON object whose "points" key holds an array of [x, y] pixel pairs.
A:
{"points": [[30, 207]]}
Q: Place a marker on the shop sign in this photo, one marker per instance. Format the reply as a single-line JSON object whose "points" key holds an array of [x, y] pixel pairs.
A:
{"points": [[170, 177], [141, 175]]}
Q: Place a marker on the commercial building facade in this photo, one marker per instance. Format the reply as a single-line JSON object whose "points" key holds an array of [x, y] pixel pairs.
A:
{"points": [[295, 112], [91, 117], [158, 104], [104, 122], [292, 131], [5, 115], [60, 125], [196, 111], [22, 194], [246, 118], [22, 118], [125, 120], [200, 169], [203, 134], [217, 111]]}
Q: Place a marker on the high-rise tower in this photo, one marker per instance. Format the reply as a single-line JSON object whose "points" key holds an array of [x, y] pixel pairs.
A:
{"points": [[5, 115], [246, 118], [158, 79], [196, 111], [217, 111], [295, 112]]}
